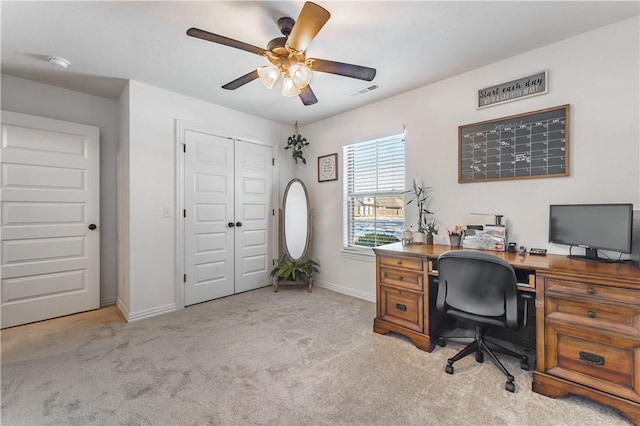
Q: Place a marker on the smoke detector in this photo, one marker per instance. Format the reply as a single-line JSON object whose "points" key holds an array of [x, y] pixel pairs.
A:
{"points": [[59, 62]]}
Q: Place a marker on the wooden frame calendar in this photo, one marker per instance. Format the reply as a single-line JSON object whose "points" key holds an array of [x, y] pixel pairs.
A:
{"points": [[523, 146]]}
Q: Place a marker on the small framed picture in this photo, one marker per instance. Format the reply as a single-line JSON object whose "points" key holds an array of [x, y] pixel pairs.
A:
{"points": [[328, 167]]}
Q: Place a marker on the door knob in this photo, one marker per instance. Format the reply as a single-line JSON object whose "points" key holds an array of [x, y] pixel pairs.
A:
{"points": [[238, 224], [231, 225], [92, 226]]}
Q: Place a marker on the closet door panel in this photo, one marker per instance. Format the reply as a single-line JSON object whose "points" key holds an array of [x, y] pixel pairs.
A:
{"points": [[208, 201], [254, 211]]}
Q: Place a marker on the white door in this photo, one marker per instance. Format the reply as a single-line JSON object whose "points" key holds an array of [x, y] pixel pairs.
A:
{"points": [[50, 217], [208, 202], [228, 218], [254, 213]]}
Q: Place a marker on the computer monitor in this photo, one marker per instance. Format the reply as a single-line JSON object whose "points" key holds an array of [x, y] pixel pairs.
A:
{"points": [[591, 226], [635, 239]]}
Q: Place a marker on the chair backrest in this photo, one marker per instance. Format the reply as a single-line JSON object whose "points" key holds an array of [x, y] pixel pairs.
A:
{"points": [[478, 283]]}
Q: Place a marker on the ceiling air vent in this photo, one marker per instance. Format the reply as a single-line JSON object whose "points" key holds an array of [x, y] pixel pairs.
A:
{"points": [[370, 88]]}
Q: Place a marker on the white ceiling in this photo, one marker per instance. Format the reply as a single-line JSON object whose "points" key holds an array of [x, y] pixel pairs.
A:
{"points": [[411, 44]]}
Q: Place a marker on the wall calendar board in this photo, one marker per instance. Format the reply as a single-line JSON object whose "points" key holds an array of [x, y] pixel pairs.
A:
{"points": [[530, 145]]}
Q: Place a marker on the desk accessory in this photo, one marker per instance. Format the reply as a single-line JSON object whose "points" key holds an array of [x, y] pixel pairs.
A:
{"points": [[538, 252]]}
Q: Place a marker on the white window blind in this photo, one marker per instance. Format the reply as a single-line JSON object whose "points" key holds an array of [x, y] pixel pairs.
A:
{"points": [[374, 179]]}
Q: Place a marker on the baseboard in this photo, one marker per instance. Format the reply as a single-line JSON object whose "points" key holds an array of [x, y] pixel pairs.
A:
{"points": [[123, 309], [108, 302], [345, 290], [136, 316]]}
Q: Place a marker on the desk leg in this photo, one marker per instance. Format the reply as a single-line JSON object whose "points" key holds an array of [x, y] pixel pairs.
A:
{"points": [[419, 340]]}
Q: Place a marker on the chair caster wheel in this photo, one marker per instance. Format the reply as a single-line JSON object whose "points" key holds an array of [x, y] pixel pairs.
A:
{"points": [[510, 387], [449, 369], [441, 342], [524, 364], [479, 357]]}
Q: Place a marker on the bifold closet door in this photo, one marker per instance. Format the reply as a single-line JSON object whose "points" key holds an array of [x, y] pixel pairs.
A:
{"points": [[227, 220], [254, 212], [50, 218], [208, 202]]}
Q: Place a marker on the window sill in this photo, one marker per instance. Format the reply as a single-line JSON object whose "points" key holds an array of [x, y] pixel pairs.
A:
{"points": [[365, 255]]}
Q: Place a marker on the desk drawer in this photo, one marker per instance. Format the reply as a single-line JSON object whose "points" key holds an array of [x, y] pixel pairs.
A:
{"points": [[395, 277], [594, 291], [401, 262], [403, 308], [593, 360], [607, 318]]}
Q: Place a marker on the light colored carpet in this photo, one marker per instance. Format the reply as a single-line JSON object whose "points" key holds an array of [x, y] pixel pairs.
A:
{"points": [[263, 358]]}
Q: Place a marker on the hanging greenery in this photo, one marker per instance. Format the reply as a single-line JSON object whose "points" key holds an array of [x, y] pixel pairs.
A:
{"points": [[295, 143]]}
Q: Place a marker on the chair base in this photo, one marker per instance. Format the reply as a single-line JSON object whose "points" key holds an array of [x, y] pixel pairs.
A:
{"points": [[480, 347]]}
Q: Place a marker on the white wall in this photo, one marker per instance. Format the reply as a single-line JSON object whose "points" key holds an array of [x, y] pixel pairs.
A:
{"points": [[152, 185], [42, 100], [597, 73], [124, 206]]}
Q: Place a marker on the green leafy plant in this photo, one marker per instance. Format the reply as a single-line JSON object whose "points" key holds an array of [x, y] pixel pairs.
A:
{"points": [[373, 240], [295, 143], [287, 269], [431, 228], [421, 197]]}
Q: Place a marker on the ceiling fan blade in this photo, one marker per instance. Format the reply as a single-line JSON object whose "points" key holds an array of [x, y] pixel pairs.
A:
{"points": [[340, 68], [307, 96], [241, 81], [310, 21], [226, 41]]}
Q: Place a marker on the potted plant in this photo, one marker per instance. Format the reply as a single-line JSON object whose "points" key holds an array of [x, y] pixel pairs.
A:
{"points": [[294, 271], [431, 230], [420, 195], [295, 143]]}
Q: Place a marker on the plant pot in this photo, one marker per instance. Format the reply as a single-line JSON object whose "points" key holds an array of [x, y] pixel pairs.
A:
{"points": [[430, 239], [407, 237], [418, 237]]}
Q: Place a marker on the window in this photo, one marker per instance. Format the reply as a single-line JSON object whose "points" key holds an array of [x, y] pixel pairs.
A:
{"points": [[373, 186]]}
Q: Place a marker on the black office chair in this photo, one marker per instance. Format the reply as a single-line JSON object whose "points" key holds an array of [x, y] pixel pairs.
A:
{"points": [[480, 288]]}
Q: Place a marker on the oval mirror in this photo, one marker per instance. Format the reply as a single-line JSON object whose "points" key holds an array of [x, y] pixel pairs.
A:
{"points": [[295, 206]]}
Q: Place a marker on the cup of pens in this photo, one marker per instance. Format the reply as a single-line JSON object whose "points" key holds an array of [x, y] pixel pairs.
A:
{"points": [[455, 238]]}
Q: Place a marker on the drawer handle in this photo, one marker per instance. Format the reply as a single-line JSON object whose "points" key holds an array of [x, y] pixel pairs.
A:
{"points": [[591, 358], [591, 314], [401, 307], [401, 278], [399, 262], [591, 290]]}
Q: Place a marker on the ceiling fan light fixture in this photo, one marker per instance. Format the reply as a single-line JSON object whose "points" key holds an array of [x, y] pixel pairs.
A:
{"points": [[288, 88], [300, 74], [268, 75]]}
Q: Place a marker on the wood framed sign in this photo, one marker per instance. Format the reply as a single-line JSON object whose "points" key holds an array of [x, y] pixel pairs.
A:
{"points": [[529, 145], [328, 167], [531, 85]]}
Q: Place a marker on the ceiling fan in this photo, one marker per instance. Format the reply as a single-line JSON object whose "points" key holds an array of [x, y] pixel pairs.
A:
{"points": [[287, 56]]}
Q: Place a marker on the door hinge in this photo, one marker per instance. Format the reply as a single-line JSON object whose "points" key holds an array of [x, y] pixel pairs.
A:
{"points": [[184, 147], [273, 212], [273, 161], [184, 213], [185, 278]]}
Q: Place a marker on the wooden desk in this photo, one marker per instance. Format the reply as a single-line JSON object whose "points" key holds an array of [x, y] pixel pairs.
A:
{"points": [[587, 318]]}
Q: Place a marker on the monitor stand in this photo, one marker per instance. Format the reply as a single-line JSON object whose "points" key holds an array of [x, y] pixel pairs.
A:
{"points": [[591, 255]]}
